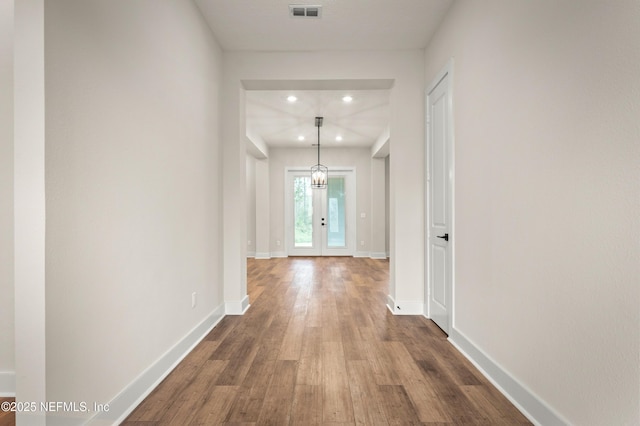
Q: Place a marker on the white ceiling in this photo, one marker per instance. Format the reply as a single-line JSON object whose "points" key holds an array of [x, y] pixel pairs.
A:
{"points": [[265, 25], [345, 24], [280, 122]]}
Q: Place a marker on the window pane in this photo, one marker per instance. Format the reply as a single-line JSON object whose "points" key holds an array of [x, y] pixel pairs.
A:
{"points": [[336, 235], [303, 211]]}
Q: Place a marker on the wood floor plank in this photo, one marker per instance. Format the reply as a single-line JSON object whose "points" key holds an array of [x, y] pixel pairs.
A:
{"points": [[218, 403], [156, 406], [292, 342], [251, 394], [224, 327], [314, 310], [397, 406], [307, 405], [278, 401], [365, 394], [319, 346], [455, 403], [183, 409], [493, 409], [427, 405], [310, 364], [337, 404], [239, 364], [380, 361]]}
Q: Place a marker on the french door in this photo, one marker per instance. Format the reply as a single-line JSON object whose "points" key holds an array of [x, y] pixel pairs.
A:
{"points": [[320, 222]]}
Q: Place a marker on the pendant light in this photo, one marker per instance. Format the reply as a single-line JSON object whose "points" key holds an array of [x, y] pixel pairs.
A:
{"points": [[319, 173]]}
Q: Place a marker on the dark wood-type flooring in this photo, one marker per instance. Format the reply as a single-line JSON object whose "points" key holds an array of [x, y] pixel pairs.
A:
{"points": [[319, 347]]}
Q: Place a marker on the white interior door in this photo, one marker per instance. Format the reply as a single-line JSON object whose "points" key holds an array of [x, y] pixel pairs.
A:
{"points": [[320, 222], [440, 201]]}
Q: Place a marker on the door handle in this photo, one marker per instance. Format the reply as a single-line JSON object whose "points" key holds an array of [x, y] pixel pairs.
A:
{"points": [[444, 237]]}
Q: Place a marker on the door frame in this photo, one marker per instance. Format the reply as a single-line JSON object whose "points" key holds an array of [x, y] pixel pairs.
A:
{"points": [[445, 72], [350, 214]]}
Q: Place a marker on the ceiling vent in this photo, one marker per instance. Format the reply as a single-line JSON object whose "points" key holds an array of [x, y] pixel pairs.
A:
{"points": [[305, 11]]}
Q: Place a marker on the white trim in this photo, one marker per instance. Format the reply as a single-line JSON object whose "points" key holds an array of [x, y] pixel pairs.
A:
{"points": [[532, 406], [236, 307], [133, 394], [371, 254], [391, 304], [251, 254], [404, 307], [278, 254], [260, 255], [380, 148], [408, 307], [7, 383], [378, 255]]}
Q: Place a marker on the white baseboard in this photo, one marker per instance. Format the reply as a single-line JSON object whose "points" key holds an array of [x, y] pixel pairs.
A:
{"points": [[391, 304], [7, 383], [278, 254], [378, 255], [263, 255], [251, 254], [361, 254], [129, 398], [235, 307], [404, 307], [533, 407]]}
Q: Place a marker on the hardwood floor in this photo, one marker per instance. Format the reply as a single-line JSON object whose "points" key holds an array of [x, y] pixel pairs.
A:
{"points": [[319, 347]]}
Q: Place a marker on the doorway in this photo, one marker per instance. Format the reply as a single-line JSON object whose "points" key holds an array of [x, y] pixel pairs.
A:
{"points": [[320, 222]]}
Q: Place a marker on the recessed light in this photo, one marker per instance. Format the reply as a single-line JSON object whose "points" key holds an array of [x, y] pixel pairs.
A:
{"points": [[292, 98], [300, 138], [339, 138], [347, 98]]}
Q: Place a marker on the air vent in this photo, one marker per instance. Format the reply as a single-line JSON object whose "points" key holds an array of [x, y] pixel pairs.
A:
{"points": [[305, 11]]}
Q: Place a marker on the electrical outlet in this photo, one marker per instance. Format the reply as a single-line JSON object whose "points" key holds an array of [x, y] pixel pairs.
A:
{"points": [[278, 243], [194, 297], [361, 243], [249, 242]]}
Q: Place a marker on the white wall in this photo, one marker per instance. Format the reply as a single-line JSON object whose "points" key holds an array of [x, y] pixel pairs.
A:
{"points": [[251, 206], [406, 68], [29, 207], [378, 209], [7, 366], [360, 158], [262, 209], [133, 194], [546, 99], [387, 197]]}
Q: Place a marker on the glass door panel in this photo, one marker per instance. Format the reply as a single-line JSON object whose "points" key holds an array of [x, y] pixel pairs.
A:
{"points": [[336, 217], [302, 211]]}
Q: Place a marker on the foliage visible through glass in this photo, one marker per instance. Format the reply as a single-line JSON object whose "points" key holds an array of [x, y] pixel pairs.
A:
{"points": [[303, 211]]}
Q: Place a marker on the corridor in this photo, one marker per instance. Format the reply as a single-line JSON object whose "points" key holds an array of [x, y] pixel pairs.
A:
{"points": [[319, 346]]}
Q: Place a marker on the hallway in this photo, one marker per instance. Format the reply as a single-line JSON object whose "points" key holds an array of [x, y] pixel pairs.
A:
{"points": [[319, 346]]}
